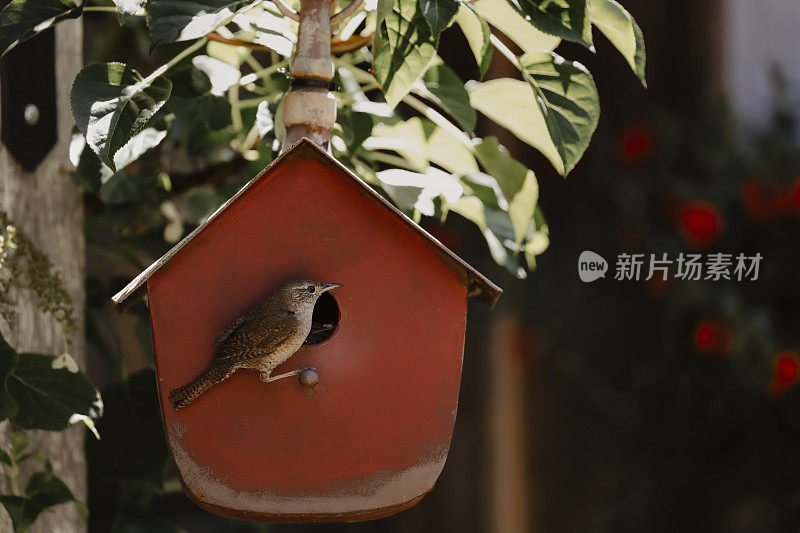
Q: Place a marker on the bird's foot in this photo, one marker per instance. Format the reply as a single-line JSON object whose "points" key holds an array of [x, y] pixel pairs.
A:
{"points": [[268, 378]]}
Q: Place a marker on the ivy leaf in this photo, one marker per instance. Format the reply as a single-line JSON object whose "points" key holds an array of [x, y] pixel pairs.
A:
{"points": [[127, 8], [44, 490], [556, 111], [8, 362], [478, 35], [111, 103], [447, 91], [183, 20], [439, 14], [619, 27], [22, 19], [566, 19], [404, 48], [47, 397]]}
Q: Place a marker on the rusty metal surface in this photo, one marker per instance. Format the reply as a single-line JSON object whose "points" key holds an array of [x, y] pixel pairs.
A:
{"points": [[371, 438], [477, 283]]}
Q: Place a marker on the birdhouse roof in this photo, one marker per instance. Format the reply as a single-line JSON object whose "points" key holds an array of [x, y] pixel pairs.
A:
{"points": [[476, 282]]}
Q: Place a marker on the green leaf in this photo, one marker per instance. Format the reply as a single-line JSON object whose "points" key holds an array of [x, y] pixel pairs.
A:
{"points": [[567, 97], [556, 112], [419, 149], [407, 138], [511, 104], [47, 490], [193, 101], [275, 32], [20, 441], [49, 398], [404, 48], [478, 35], [566, 19], [88, 171], [127, 8], [447, 152], [111, 103], [22, 19], [264, 121], [439, 14], [221, 75], [621, 29], [44, 490], [538, 239], [8, 362], [183, 20], [417, 191], [483, 203], [356, 127], [503, 17], [517, 184], [471, 208], [448, 92]]}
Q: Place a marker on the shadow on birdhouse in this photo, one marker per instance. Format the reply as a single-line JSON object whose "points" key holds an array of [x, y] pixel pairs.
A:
{"points": [[371, 436]]}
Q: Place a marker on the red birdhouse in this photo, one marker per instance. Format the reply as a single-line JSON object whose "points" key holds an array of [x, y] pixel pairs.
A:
{"points": [[371, 438]]}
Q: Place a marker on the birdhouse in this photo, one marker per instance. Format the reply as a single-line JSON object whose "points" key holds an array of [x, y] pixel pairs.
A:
{"points": [[370, 437]]}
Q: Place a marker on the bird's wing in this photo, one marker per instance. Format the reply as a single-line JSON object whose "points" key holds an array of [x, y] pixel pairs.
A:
{"points": [[233, 327], [255, 337]]}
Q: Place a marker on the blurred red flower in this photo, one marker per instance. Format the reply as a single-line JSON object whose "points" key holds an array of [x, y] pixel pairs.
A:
{"points": [[753, 199], [794, 196], [711, 337], [764, 203], [786, 368], [637, 143], [700, 223], [785, 371]]}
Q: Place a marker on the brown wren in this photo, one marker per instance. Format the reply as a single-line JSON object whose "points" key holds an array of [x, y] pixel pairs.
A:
{"points": [[261, 339]]}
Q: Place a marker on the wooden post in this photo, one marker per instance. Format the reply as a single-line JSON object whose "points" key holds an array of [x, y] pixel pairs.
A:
{"points": [[511, 504], [309, 108], [48, 207]]}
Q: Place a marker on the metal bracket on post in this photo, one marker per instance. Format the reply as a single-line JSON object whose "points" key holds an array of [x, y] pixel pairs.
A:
{"points": [[309, 108], [28, 119]]}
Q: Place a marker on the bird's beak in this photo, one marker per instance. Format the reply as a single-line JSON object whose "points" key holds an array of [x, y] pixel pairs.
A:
{"points": [[330, 286]]}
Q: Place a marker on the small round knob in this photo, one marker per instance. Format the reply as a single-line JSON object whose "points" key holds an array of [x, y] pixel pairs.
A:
{"points": [[31, 114], [308, 378]]}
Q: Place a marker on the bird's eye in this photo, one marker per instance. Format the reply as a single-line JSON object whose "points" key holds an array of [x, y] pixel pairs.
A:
{"points": [[311, 289]]}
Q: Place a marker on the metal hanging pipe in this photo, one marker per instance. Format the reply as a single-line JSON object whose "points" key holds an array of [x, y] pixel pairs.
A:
{"points": [[309, 108]]}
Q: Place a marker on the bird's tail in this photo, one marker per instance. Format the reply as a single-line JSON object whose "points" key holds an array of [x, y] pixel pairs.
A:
{"points": [[213, 374]]}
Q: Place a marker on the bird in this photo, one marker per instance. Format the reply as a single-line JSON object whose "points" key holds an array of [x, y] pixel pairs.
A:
{"points": [[261, 339]]}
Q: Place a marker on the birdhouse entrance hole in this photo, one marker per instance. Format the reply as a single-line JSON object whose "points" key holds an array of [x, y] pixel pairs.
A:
{"points": [[324, 321]]}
